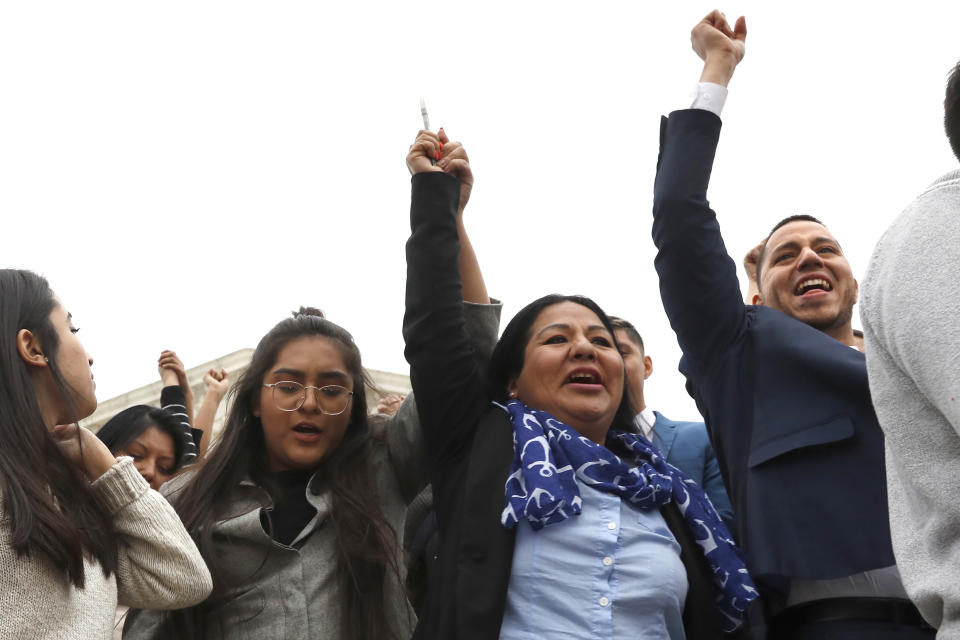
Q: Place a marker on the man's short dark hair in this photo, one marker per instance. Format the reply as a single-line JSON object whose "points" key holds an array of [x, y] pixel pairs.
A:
{"points": [[631, 331], [800, 217], [951, 110]]}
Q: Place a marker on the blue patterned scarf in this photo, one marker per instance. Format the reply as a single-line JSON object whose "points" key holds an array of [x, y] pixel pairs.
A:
{"points": [[547, 457]]}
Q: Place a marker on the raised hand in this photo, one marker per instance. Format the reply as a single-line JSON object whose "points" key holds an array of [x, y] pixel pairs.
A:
{"points": [[454, 161], [218, 382], [424, 153], [173, 373], [720, 47], [389, 404]]}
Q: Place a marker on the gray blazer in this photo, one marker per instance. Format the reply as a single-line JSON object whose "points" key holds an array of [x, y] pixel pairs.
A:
{"points": [[289, 592]]}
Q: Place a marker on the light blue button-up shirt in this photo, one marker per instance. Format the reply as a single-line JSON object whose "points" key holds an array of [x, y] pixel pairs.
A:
{"points": [[612, 572]]}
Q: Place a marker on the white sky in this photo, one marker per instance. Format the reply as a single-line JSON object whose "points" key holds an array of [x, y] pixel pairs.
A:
{"points": [[186, 173]]}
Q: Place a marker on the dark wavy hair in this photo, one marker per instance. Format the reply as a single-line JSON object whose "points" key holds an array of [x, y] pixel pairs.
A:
{"points": [[366, 547], [50, 506], [126, 426], [951, 110], [507, 359]]}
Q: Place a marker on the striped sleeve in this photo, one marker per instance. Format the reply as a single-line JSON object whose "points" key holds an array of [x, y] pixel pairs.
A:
{"points": [[174, 402]]}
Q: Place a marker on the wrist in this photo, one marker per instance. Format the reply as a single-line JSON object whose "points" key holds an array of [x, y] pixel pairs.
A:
{"points": [[99, 464], [719, 67]]}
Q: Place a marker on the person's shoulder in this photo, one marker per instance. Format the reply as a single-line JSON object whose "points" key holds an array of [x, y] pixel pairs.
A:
{"points": [[177, 483], [691, 429]]}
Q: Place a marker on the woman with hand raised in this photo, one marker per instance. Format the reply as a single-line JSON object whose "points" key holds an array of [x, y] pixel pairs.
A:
{"points": [[556, 519]]}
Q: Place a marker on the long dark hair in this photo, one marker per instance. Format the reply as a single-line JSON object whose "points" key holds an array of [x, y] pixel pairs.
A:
{"points": [[365, 542], [46, 498], [507, 359], [126, 426]]}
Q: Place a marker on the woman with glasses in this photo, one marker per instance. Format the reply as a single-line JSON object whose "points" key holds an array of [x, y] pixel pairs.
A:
{"points": [[299, 508]]}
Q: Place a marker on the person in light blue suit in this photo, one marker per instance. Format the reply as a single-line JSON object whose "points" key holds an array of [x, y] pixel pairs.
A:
{"points": [[685, 445]]}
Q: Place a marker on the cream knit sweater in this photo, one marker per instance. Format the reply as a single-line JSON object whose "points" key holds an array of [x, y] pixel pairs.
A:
{"points": [[159, 568]]}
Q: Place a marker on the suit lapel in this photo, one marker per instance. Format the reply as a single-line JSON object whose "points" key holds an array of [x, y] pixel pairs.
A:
{"points": [[664, 434]]}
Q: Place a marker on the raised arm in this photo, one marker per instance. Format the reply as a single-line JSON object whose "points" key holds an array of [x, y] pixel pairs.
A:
{"points": [[454, 160], [698, 280], [218, 384], [445, 375], [176, 398]]}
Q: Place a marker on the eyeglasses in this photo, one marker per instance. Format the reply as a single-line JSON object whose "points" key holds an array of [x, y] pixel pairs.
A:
{"points": [[290, 396]]}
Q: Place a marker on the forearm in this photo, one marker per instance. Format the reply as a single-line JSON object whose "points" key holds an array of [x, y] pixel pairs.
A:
{"points": [[173, 401], [474, 288], [206, 416], [159, 565]]}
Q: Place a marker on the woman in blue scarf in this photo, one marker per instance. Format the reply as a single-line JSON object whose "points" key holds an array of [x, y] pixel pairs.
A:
{"points": [[556, 519]]}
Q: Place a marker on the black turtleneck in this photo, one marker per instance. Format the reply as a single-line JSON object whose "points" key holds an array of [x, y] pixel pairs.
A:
{"points": [[291, 512]]}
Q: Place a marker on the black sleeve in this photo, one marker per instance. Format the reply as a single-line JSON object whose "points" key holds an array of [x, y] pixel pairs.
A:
{"points": [[444, 372], [174, 401]]}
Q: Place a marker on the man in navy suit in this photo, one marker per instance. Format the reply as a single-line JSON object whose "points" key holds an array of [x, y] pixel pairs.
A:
{"points": [[781, 386], [685, 445]]}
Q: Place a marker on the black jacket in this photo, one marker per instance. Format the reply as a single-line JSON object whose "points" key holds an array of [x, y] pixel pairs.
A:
{"points": [[469, 443]]}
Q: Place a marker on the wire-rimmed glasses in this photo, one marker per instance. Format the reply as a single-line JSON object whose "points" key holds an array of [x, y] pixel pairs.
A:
{"points": [[290, 396]]}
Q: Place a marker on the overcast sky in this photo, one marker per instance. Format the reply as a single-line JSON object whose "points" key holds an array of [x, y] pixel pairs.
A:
{"points": [[186, 173]]}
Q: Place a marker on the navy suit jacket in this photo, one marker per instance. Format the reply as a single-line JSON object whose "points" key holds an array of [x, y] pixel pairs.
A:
{"points": [[686, 446], [788, 408]]}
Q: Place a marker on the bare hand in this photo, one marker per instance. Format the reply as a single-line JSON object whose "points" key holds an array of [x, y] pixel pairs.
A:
{"points": [[218, 382], [173, 373], [720, 47], [425, 148], [454, 161], [171, 370], [83, 449], [389, 404]]}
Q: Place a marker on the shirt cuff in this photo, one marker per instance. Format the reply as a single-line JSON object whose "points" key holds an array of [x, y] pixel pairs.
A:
{"points": [[708, 96]]}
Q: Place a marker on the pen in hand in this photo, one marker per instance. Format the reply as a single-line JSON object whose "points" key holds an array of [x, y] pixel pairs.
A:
{"points": [[426, 123]]}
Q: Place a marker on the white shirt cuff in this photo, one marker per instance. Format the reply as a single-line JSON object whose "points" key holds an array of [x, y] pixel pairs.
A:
{"points": [[708, 96]]}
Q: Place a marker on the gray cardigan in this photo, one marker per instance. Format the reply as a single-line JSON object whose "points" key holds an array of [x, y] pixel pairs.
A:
{"points": [[289, 592], [910, 310]]}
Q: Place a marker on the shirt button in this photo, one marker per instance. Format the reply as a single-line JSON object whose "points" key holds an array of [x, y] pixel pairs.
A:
{"points": [[611, 525], [604, 601], [607, 561]]}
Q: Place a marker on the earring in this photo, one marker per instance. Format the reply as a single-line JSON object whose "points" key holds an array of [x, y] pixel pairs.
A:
{"points": [[46, 359]]}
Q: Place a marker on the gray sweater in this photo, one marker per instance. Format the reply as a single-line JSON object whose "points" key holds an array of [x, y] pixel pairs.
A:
{"points": [[910, 309], [159, 566]]}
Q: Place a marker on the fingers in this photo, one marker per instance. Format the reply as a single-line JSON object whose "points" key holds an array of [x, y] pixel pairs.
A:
{"points": [[169, 359], [740, 29], [454, 150], [219, 376], [458, 167], [424, 152]]}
